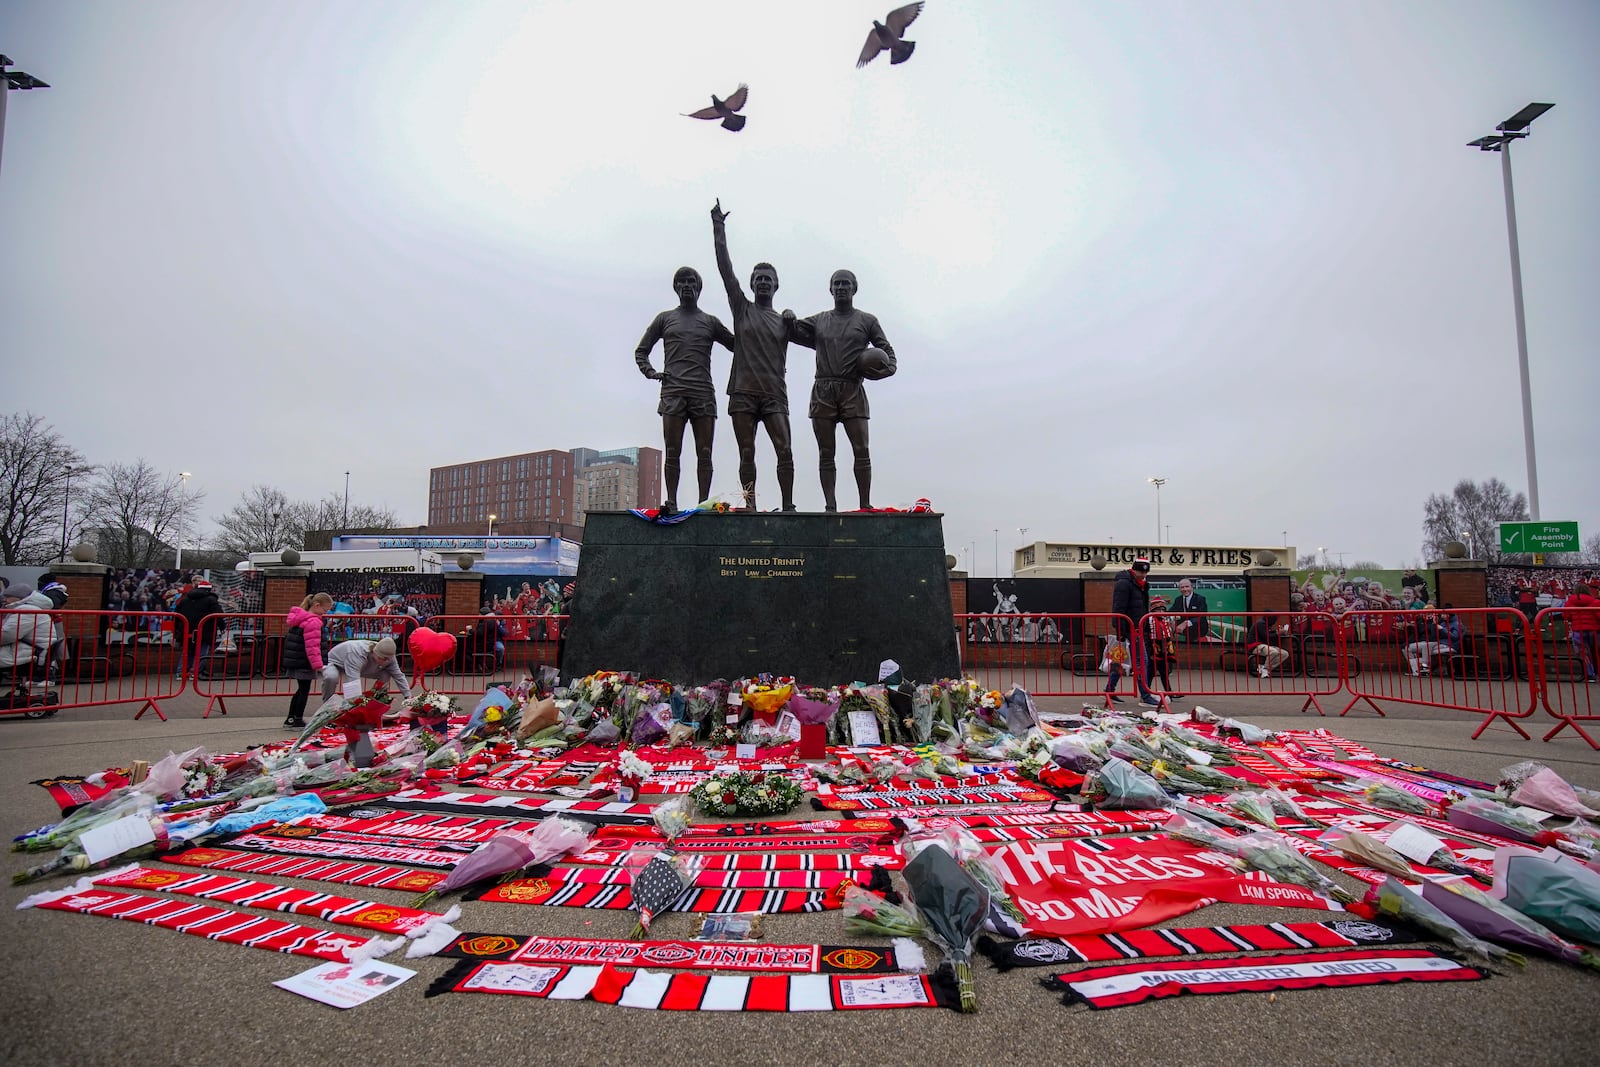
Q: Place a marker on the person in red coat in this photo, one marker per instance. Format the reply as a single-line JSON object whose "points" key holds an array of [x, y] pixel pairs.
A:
{"points": [[1582, 612]]}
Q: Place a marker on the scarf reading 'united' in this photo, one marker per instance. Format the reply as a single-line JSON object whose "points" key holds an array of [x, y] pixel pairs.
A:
{"points": [[620, 898], [1133, 983], [699, 992], [1187, 941], [680, 955], [339, 872], [270, 896], [209, 921]]}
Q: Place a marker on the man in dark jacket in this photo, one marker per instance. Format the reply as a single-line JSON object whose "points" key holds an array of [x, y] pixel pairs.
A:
{"points": [[1130, 598], [196, 606]]}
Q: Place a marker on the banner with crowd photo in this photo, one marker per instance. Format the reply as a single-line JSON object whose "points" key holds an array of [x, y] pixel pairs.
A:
{"points": [[1032, 598], [379, 593], [1532, 589], [517, 597], [130, 589]]}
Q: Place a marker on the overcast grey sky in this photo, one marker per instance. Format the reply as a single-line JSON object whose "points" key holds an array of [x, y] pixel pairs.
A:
{"points": [[1237, 245]]}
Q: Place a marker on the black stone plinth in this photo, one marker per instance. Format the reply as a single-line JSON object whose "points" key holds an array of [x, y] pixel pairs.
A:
{"points": [[824, 598]]}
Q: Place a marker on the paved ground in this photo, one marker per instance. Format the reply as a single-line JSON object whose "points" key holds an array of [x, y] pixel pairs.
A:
{"points": [[80, 990]]}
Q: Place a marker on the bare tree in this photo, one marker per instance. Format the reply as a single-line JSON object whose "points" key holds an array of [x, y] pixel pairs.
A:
{"points": [[1306, 561], [1367, 565], [36, 469], [138, 511], [1475, 510], [262, 520], [329, 513]]}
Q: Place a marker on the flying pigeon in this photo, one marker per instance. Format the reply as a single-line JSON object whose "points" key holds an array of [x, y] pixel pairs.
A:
{"points": [[886, 34], [724, 109]]}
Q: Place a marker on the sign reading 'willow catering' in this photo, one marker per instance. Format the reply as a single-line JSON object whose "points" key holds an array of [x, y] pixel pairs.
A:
{"points": [[1049, 557]]}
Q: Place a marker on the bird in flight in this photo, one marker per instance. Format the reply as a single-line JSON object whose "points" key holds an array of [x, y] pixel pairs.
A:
{"points": [[724, 109], [887, 34]]}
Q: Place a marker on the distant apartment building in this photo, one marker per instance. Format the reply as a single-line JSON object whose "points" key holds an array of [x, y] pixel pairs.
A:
{"points": [[541, 492]]}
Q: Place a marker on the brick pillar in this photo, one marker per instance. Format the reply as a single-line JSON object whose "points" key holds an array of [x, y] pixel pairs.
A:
{"points": [[958, 592], [463, 592], [1097, 587], [1462, 582], [87, 585], [285, 588], [1267, 588]]}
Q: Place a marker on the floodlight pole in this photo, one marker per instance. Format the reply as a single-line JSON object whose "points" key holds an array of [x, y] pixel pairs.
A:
{"points": [[1522, 334], [9, 80]]}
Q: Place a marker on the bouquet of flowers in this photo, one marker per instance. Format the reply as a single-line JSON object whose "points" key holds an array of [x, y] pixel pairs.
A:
{"points": [[1273, 856], [658, 881], [814, 706], [746, 794], [202, 778], [632, 770], [953, 905], [1119, 784], [869, 914], [1394, 899], [1253, 805], [672, 818], [428, 705], [962, 693], [704, 702], [764, 694], [1387, 796]]}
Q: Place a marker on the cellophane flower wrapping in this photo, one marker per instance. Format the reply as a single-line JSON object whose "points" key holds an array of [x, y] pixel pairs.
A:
{"points": [[1548, 791], [1393, 899], [1387, 796], [1473, 813], [870, 915], [672, 817], [813, 706], [1120, 785], [1491, 919], [659, 877], [1272, 854], [647, 729], [765, 698], [953, 906], [604, 732], [1252, 805], [1367, 849]]}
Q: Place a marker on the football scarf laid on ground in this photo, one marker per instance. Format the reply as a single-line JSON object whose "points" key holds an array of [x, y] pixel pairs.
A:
{"points": [[338, 872], [888, 858], [682, 955], [700, 992], [211, 922], [1189, 941], [270, 896], [929, 797], [620, 898], [304, 846], [1132, 983]]}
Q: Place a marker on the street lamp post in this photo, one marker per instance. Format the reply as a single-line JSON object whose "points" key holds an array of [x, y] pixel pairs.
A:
{"points": [[66, 501], [9, 80], [997, 551], [1022, 534], [183, 516], [492, 517], [1510, 130], [1158, 483]]}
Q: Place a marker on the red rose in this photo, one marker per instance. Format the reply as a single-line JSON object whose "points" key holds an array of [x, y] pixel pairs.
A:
{"points": [[730, 797], [758, 778]]}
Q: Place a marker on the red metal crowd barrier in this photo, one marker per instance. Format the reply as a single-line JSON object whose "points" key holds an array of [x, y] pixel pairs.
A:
{"points": [[1049, 654], [1464, 659], [494, 648], [51, 661], [1244, 654], [1564, 650]]}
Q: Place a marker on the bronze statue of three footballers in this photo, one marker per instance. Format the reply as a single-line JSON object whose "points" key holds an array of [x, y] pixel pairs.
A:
{"points": [[850, 348]]}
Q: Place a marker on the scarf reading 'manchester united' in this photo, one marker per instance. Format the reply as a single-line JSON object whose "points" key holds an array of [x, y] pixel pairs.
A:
{"points": [[699, 992], [209, 921], [680, 955], [1132, 983], [1188, 941]]}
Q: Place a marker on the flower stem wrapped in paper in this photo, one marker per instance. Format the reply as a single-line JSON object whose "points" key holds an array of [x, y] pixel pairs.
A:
{"points": [[1392, 899], [953, 906], [1492, 817], [512, 850], [1364, 848], [1121, 785], [1491, 919], [1387, 796], [1272, 855], [1254, 805]]}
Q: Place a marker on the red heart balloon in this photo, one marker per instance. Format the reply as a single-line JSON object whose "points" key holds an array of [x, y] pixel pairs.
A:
{"points": [[430, 649]]}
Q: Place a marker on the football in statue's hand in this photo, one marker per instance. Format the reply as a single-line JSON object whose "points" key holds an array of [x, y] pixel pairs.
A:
{"points": [[874, 364]]}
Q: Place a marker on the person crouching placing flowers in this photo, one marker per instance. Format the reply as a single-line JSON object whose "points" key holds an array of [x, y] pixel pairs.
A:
{"points": [[349, 666]]}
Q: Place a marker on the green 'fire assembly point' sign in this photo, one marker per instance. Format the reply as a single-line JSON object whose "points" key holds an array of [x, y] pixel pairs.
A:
{"points": [[1539, 537]]}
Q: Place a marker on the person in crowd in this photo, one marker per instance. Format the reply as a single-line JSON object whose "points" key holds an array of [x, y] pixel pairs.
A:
{"points": [[196, 606], [304, 644], [1190, 630], [1434, 635], [1130, 599], [1260, 644], [352, 664], [1582, 612], [1410, 579], [26, 631], [1163, 648], [51, 587]]}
